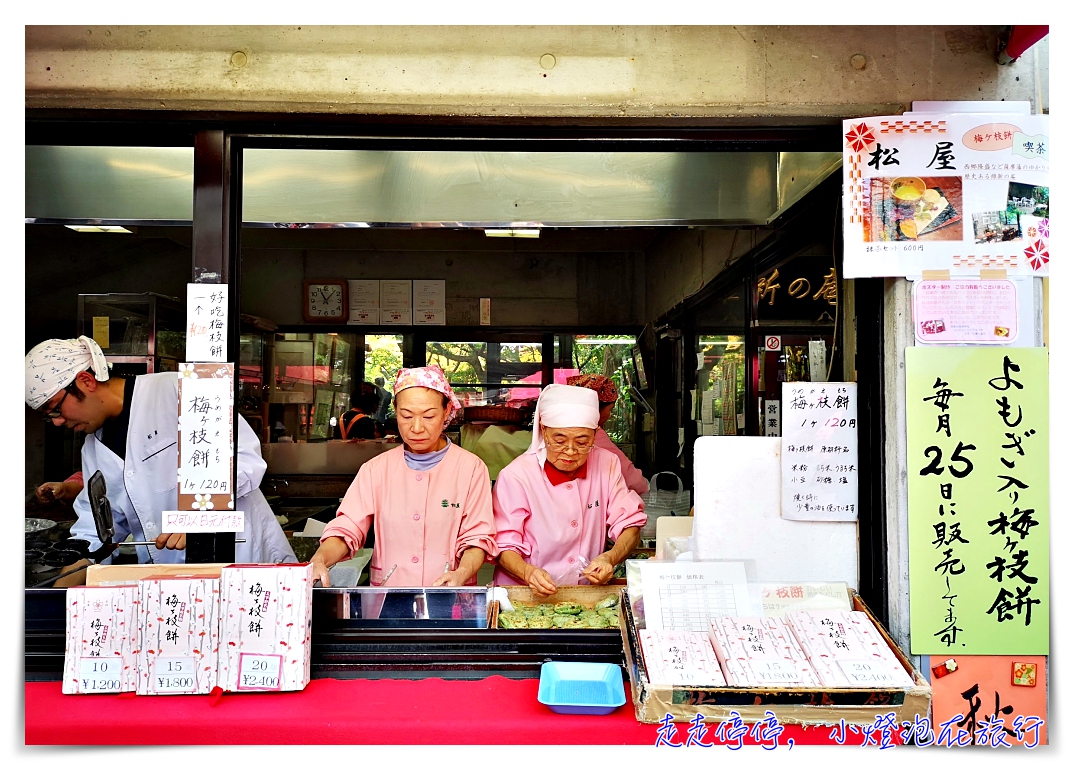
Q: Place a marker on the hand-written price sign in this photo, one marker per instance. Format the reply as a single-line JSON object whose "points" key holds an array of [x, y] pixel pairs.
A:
{"points": [[205, 437], [206, 322], [820, 451], [977, 469]]}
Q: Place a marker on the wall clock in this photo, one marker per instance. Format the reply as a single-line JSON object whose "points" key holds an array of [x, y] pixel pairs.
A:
{"points": [[324, 301]]}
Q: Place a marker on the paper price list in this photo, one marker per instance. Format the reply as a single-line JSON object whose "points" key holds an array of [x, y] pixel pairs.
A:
{"points": [[688, 607]]}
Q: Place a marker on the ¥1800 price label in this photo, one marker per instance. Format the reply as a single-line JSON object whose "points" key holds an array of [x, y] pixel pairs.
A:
{"points": [[259, 672], [174, 675], [100, 675]]}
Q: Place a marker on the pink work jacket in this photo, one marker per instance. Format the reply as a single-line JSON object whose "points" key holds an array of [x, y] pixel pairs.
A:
{"points": [[634, 478], [551, 526], [423, 520]]}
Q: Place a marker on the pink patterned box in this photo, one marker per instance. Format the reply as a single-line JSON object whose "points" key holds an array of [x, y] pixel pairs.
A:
{"points": [[265, 614], [680, 658], [103, 639], [846, 649], [760, 652], [180, 635]]}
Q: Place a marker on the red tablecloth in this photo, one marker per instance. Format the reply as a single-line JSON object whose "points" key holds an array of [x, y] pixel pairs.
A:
{"points": [[384, 711]]}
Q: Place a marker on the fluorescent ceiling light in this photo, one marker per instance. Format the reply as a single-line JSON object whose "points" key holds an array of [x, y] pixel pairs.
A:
{"points": [[98, 228], [616, 341], [513, 233]]}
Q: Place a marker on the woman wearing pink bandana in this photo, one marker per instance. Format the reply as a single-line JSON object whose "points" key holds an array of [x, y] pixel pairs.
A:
{"points": [[429, 501], [556, 504]]}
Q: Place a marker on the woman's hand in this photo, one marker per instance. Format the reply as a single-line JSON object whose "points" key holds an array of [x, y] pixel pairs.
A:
{"points": [[320, 571], [453, 578], [331, 551], [600, 570], [539, 581], [173, 542]]}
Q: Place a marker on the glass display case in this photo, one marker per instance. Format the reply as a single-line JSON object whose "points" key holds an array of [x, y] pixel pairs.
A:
{"points": [[138, 333], [461, 607]]}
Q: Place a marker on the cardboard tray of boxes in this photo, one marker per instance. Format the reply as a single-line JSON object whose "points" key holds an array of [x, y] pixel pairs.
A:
{"points": [[797, 705]]}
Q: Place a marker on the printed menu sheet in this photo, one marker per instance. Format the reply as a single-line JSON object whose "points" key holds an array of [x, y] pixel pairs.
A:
{"points": [[683, 596]]}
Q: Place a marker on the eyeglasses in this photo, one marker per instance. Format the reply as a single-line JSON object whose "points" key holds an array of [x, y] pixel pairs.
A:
{"points": [[53, 413], [582, 446]]}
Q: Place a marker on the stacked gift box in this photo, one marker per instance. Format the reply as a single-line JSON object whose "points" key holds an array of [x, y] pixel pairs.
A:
{"points": [[247, 630], [680, 657], [823, 648]]}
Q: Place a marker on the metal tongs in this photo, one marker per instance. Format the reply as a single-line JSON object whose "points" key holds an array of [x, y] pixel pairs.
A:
{"points": [[97, 491]]}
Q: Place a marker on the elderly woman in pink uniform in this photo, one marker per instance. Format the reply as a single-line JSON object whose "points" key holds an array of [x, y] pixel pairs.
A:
{"points": [[556, 504], [429, 501]]}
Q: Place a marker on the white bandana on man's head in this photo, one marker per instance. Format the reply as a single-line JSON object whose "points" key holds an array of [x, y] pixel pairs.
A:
{"points": [[54, 364], [563, 406]]}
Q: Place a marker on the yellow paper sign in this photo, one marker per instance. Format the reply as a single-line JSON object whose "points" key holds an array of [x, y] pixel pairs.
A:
{"points": [[977, 482], [100, 331]]}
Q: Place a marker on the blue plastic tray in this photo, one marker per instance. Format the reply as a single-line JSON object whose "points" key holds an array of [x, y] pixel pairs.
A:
{"points": [[581, 688]]}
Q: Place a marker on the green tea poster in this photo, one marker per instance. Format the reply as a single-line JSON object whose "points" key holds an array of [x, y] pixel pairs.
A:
{"points": [[977, 478]]}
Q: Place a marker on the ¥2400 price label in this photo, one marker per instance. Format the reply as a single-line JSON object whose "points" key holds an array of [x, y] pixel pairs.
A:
{"points": [[259, 672]]}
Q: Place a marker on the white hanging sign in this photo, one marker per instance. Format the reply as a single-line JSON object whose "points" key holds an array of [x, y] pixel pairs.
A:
{"points": [[206, 437], [820, 451], [206, 322]]}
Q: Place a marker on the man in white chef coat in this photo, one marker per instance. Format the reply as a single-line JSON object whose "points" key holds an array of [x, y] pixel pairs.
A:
{"points": [[131, 437]]}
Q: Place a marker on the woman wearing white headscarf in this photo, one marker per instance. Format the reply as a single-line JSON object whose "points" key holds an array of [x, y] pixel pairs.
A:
{"points": [[556, 505]]}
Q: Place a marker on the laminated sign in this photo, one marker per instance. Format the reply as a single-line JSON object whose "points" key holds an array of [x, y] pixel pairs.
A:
{"points": [[206, 446], [977, 478], [265, 622], [954, 192]]}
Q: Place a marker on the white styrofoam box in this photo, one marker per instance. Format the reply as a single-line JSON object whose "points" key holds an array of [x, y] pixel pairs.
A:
{"points": [[103, 639], [737, 489], [680, 658], [265, 617], [180, 635]]}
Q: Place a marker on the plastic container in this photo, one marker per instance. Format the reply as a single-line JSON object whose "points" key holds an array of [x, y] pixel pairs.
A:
{"points": [[581, 688]]}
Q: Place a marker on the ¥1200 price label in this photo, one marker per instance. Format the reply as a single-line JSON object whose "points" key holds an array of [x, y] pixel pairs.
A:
{"points": [[259, 672], [174, 675], [100, 674]]}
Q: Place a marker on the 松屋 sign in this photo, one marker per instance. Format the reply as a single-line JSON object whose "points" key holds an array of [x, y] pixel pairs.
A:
{"points": [[956, 192]]}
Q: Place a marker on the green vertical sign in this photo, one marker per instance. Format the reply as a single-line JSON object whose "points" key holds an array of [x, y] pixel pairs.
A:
{"points": [[977, 478]]}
